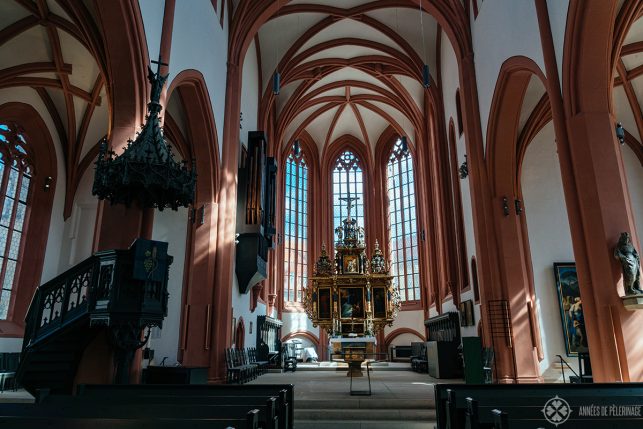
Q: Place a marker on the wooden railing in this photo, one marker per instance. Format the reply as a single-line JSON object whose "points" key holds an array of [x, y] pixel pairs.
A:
{"points": [[58, 302]]}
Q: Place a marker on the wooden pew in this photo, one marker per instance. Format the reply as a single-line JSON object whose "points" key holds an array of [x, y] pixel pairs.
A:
{"points": [[592, 406], [286, 406], [158, 406], [36, 421]]}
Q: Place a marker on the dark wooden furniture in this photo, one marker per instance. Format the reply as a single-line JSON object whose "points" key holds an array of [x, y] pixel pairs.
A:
{"points": [[400, 353], [114, 409], [589, 406], [419, 361], [443, 345], [119, 291], [210, 393], [269, 340], [175, 375]]}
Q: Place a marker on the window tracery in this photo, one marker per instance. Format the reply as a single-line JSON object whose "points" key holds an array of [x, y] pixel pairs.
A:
{"points": [[295, 226], [347, 179], [403, 236], [15, 174]]}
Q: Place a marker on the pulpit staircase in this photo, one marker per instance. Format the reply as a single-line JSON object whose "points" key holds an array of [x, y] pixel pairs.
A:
{"points": [[107, 291]]}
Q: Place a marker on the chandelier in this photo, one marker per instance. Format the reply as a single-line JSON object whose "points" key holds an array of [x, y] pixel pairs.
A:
{"points": [[146, 171]]}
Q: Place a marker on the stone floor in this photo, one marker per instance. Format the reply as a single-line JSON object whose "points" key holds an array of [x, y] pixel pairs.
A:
{"points": [[400, 399]]}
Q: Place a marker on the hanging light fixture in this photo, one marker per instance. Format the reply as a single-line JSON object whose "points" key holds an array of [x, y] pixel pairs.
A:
{"points": [[276, 78], [146, 171], [426, 76]]}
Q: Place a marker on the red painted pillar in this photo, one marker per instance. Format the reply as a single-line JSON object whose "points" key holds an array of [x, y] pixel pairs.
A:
{"points": [[221, 317], [596, 195], [483, 219]]}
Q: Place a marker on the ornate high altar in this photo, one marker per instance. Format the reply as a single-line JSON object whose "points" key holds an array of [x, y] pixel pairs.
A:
{"points": [[351, 296]]}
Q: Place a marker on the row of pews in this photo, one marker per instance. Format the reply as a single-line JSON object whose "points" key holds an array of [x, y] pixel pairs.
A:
{"points": [[157, 407], [518, 406]]}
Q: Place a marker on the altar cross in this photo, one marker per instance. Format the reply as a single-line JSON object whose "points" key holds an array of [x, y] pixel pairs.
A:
{"points": [[349, 203]]}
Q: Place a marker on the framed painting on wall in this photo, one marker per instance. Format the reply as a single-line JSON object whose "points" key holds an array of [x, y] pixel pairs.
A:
{"points": [[571, 308]]}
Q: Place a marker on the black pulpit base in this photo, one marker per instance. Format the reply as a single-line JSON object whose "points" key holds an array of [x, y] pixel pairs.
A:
{"points": [[126, 339]]}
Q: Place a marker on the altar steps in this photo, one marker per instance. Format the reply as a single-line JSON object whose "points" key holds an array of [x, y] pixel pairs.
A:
{"points": [[364, 413]]}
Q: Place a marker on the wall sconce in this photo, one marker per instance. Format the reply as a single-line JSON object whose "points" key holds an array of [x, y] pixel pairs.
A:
{"points": [[518, 205], [464, 169], [505, 206], [48, 181], [202, 215], [620, 133]]}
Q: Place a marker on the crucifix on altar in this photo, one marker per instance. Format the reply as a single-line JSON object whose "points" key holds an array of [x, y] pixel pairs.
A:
{"points": [[349, 204]]}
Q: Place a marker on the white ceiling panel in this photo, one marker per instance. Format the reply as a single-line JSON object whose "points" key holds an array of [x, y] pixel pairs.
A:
{"points": [[277, 35], [347, 123], [28, 47], [318, 129], [349, 28], [375, 124], [85, 70]]}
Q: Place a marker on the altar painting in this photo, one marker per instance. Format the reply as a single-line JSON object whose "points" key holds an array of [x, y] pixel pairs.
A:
{"points": [[351, 300], [324, 305], [379, 302]]}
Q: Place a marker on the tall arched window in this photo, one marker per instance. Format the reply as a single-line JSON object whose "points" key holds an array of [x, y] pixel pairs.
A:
{"points": [[295, 226], [15, 171], [347, 180], [403, 235]]}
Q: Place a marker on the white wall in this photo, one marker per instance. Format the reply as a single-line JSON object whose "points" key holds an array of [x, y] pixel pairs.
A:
{"points": [[634, 174], [450, 83], [503, 29], [549, 236], [197, 25], [198, 42], [407, 319], [294, 322], [79, 228], [171, 226]]}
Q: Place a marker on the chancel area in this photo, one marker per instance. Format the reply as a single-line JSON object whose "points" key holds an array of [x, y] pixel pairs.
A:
{"points": [[304, 213]]}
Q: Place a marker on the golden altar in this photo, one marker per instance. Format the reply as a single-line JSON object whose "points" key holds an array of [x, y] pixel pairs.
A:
{"points": [[351, 296]]}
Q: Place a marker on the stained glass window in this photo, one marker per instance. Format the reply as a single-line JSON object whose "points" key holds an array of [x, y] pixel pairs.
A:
{"points": [[347, 180], [15, 174], [295, 227], [403, 236]]}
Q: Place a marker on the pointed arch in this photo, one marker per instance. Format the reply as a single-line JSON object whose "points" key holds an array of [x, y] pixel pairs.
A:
{"points": [[201, 147], [37, 216]]}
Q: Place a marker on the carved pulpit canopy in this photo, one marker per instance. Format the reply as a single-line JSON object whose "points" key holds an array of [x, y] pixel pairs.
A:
{"points": [[146, 172]]}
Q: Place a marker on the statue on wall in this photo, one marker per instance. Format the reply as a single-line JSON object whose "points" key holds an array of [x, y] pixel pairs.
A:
{"points": [[631, 263]]}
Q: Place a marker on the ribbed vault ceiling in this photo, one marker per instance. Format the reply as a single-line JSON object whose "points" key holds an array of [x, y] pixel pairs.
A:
{"points": [[347, 68], [48, 51]]}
